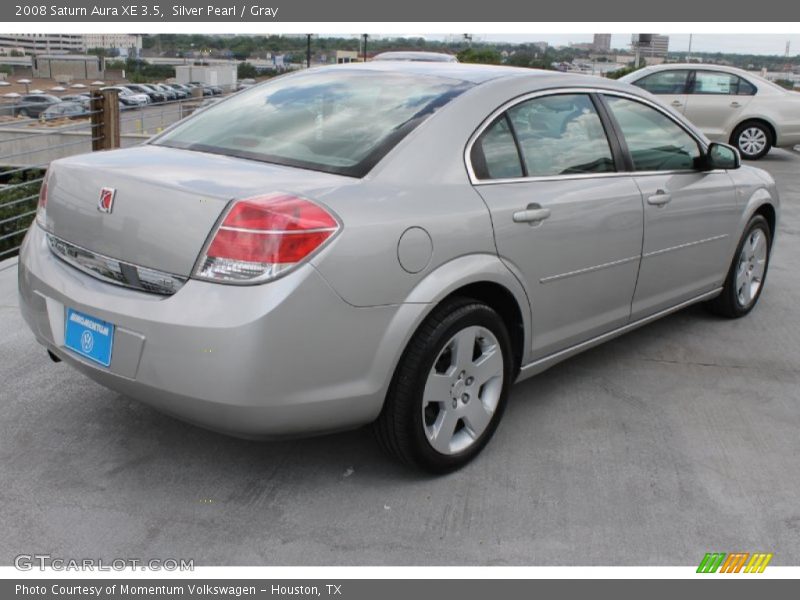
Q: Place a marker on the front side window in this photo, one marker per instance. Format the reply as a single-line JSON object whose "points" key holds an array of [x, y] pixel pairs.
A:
{"points": [[561, 135], [337, 121], [664, 82], [655, 142]]}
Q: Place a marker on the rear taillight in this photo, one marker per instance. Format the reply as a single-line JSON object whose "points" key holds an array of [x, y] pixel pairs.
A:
{"points": [[41, 208], [264, 236]]}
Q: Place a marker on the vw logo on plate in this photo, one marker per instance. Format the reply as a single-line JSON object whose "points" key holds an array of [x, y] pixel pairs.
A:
{"points": [[87, 341]]}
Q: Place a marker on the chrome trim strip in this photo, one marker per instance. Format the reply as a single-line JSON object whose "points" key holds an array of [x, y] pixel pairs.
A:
{"points": [[589, 269], [537, 366], [686, 245], [570, 90], [117, 272], [278, 231]]}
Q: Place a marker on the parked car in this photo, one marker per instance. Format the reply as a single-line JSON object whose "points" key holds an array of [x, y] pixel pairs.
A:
{"points": [[66, 110], [727, 104], [140, 88], [180, 92], [417, 56], [245, 83], [168, 92], [33, 105], [84, 99], [386, 243], [206, 89], [128, 97], [182, 87]]}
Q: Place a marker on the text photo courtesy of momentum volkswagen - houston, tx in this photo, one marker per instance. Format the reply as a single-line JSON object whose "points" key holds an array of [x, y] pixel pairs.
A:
{"points": [[289, 313]]}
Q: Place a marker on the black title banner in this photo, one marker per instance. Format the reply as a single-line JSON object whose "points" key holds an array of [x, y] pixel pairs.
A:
{"points": [[407, 11]]}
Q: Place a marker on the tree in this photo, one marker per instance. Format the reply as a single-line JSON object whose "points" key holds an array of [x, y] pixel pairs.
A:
{"points": [[486, 56], [245, 70]]}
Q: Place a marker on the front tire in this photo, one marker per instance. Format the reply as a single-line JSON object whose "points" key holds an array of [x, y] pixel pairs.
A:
{"points": [[748, 272], [450, 388], [753, 139]]}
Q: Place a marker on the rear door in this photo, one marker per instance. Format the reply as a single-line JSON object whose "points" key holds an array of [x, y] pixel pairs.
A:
{"points": [[716, 101], [688, 213], [565, 221], [671, 87]]}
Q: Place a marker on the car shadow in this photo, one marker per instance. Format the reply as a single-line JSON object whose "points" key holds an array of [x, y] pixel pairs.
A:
{"points": [[132, 430]]}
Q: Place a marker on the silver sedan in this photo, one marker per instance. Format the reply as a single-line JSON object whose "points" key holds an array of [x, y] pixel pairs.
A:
{"points": [[391, 244]]}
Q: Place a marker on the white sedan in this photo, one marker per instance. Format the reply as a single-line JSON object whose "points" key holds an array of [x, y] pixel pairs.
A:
{"points": [[727, 104]]}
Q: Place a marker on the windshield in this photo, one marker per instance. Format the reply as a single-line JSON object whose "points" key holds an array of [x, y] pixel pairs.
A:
{"points": [[335, 121]]}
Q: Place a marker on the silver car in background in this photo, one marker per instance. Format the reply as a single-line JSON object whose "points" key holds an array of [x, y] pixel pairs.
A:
{"points": [[386, 243], [727, 104]]}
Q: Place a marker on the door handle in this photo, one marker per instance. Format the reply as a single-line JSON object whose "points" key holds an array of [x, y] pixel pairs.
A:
{"points": [[735, 104], [660, 198], [677, 103], [533, 214]]}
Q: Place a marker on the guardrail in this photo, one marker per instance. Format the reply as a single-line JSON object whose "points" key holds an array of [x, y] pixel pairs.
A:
{"points": [[29, 143]]}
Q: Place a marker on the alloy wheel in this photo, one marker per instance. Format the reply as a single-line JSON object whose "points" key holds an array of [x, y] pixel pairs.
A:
{"points": [[751, 268], [752, 141], [463, 390]]}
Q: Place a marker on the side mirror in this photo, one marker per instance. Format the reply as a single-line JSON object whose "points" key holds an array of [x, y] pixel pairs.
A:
{"points": [[722, 156]]}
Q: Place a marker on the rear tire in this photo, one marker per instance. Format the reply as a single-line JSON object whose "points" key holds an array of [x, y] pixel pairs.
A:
{"points": [[753, 139], [450, 388], [747, 273]]}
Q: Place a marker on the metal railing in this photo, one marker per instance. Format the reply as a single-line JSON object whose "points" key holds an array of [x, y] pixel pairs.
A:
{"points": [[29, 143]]}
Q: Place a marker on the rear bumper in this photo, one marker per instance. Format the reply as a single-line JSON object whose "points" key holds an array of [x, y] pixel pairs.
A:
{"points": [[285, 358]]}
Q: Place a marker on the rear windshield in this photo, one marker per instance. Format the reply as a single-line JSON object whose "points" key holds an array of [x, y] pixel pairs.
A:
{"points": [[334, 121]]}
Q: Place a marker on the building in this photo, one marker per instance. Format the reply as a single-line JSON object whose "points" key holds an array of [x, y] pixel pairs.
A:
{"points": [[347, 56], [43, 43], [650, 44], [124, 42], [66, 67], [223, 75], [602, 42]]}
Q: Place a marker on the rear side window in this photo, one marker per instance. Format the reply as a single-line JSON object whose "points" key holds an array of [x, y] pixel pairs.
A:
{"points": [[494, 154], [665, 82], [561, 135], [337, 121], [655, 142], [544, 137], [716, 82]]}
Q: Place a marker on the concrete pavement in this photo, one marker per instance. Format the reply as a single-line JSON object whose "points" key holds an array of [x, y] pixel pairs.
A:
{"points": [[675, 440]]}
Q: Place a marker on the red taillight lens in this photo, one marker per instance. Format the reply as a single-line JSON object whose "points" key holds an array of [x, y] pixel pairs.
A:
{"points": [[264, 236], [41, 208]]}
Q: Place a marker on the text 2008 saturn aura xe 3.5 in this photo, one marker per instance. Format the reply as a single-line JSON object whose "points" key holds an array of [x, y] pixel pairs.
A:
{"points": [[391, 243]]}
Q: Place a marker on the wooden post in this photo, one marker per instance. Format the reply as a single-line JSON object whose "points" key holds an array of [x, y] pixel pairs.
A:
{"points": [[105, 119]]}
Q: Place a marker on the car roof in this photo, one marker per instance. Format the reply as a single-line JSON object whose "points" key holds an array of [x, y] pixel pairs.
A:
{"points": [[475, 73], [415, 55], [694, 66]]}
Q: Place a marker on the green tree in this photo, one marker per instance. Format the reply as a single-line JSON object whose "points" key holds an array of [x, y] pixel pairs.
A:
{"points": [[482, 55], [17, 207], [246, 70]]}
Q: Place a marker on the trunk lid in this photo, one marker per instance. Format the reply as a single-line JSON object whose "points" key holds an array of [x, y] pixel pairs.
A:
{"points": [[166, 201]]}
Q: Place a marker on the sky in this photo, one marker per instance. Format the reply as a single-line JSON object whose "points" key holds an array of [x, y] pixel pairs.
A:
{"points": [[772, 43]]}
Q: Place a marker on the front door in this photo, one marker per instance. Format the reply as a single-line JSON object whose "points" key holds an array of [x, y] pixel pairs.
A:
{"points": [[688, 213]]}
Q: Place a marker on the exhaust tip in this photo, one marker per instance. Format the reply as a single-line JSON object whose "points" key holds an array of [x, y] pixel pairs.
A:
{"points": [[53, 357]]}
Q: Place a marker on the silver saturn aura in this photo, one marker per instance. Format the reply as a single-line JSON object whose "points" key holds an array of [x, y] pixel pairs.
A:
{"points": [[390, 243]]}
